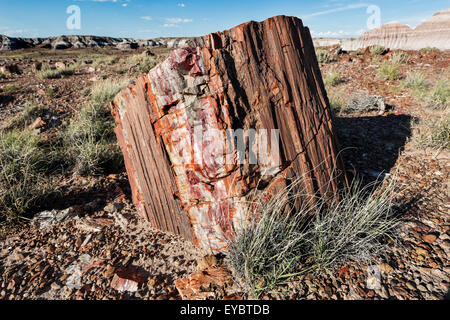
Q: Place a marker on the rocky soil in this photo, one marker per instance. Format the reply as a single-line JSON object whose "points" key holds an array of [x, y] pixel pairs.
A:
{"points": [[101, 250]]}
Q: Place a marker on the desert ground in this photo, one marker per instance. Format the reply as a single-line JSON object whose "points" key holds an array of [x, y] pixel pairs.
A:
{"points": [[85, 236]]}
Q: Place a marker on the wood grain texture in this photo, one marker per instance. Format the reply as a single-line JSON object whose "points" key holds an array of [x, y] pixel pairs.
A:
{"points": [[254, 76]]}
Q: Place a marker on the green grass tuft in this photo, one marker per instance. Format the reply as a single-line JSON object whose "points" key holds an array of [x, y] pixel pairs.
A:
{"points": [[48, 73], [323, 56], [432, 132], [389, 71], [400, 58], [90, 138], [11, 88], [332, 78], [23, 163], [439, 95], [377, 49], [319, 236]]}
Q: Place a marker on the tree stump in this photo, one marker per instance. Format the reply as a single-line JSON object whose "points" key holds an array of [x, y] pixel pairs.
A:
{"points": [[181, 128]]}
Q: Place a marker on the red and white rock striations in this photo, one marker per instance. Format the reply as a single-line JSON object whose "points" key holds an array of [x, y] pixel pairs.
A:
{"points": [[261, 76], [432, 33], [391, 35]]}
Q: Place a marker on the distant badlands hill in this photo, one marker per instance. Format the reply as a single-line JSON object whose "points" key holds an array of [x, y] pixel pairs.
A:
{"points": [[432, 33], [77, 42]]}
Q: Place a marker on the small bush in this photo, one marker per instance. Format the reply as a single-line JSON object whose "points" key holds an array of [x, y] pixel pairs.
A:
{"points": [[323, 56], [26, 117], [332, 78], [90, 137], [415, 81], [399, 58], [389, 71], [121, 69], [432, 132], [48, 73], [321, 235], [378, 50], [430, 50], [338, 104], [11, 87], [109, 60], [439, 95], [143, 63], [23, 163]]}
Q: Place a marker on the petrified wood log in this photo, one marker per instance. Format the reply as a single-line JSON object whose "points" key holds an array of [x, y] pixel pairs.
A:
{"points": [[262, 76]]}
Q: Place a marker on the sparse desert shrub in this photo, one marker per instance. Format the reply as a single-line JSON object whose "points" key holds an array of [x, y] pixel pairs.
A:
{"points": [[23, 163], [323, 56], [143, 63], [90, 137], [439, 95], [11, 87], [432, 132], [332, 78], [321, 235], [109, 60], [377, 49], [24, 118], [48, 73], [50, 92], [399, 58], [389, 71], [338, 103], [430, 50], [415, 81], [121, 69]]}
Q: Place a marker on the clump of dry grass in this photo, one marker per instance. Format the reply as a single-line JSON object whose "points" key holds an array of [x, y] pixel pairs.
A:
{"points": [[338, 101], [11, 88], [320, 235], [399, 58], [143, 63], [439, 95], [377, 49], [323, 56], [389, 71], [48, 73], [332, 78], [432, 132], [416, 81], [90, 138], [23, 163], [108, 60]]}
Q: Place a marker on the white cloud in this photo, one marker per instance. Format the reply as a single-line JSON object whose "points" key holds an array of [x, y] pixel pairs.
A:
{"points": [[333, 34], [148, 18], [345, 8], [114, 1], [178, 20], [170, 25], [13, 32], [181, 5]]}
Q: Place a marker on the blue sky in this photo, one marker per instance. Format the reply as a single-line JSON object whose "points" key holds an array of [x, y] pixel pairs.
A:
{"points": [[152, 18]]}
